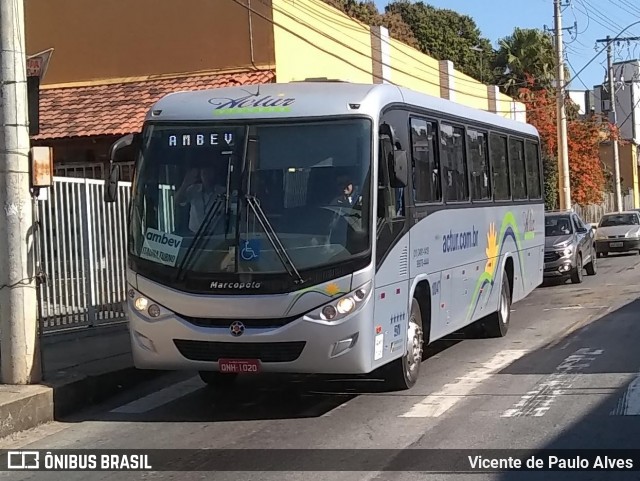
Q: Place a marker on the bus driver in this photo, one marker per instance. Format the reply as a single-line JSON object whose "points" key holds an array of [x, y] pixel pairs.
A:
{"points": [[199, 189]]}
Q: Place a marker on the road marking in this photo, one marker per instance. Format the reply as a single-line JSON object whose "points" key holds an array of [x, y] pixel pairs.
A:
{"points": [[160, 398], [331, 412], [572, 308], [538, 401], [436, 404], [629, 403]]}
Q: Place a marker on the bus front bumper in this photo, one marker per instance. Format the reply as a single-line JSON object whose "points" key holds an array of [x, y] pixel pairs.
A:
{"points": [[302, 346]]}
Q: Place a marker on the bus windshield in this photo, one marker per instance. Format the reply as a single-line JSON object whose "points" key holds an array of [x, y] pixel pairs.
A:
{"points": [[242, 199]]}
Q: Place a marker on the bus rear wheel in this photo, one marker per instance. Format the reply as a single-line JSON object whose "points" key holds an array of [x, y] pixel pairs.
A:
{"points": [[497, 324], [218, 379], [403, 373]]}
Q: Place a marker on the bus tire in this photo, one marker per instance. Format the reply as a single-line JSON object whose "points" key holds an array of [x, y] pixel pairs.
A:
{"points": [[218, 379], [403, 373], [497, 324]]}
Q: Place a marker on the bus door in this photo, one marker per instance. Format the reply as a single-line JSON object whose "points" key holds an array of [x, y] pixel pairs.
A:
{"points": [[392, 258]]}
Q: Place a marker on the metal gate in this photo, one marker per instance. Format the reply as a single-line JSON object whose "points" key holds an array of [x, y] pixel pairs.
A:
{"points": [[82, 254]]}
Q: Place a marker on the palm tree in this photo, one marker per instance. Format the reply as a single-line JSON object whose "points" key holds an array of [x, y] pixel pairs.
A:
{"points": [[524, 55]]}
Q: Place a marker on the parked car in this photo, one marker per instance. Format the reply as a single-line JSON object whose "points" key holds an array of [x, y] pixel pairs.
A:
{"points": [[618, 232], [569, 247]]}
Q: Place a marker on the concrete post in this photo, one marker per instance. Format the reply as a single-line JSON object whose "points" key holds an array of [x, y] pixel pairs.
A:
{"points": [[18, 303], [447, 80]]}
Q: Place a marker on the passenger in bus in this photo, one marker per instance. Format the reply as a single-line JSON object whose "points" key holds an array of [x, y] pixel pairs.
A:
{"points": [[199, 189]]}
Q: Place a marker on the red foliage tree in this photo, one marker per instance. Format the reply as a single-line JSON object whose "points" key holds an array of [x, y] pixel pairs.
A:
{"points": [[587, 176]]}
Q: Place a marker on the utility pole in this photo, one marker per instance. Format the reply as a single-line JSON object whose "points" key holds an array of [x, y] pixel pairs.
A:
{"points": [[612, 104], [19, 343], [613, 117], [563, 145]]}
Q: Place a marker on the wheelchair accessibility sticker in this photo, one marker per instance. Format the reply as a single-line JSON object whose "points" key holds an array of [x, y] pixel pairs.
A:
{"points": [[250, 250]]}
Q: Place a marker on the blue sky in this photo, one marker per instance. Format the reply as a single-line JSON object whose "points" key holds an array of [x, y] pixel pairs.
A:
{"points": [[595, 18]]}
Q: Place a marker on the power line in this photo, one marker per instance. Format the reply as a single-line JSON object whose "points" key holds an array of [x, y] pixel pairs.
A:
{"points": [[594, 18], [612, 25], [576, 18], [326, 20], [315, 14], [636, 9], [597, 11], [349, 47], [622, 7], [333, 54], [571, 66], [331, 21], [600, 51], [635, 106]]}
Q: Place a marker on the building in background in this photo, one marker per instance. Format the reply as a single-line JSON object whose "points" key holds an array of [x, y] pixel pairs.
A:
{"points": [[113, 60], [584, 100], [627, 94]]}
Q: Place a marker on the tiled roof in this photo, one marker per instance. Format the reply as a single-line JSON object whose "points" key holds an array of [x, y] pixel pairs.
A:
{"points": [[119, 109]]}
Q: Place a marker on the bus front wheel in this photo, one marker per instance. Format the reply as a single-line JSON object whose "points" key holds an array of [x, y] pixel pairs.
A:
{"points": [[217, 379], [403, 373]]}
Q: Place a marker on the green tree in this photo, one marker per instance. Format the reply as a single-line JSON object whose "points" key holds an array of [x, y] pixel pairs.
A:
{"points": [[366, 12], [447, 35], [399, 29], [363, 11], [526, 54]]}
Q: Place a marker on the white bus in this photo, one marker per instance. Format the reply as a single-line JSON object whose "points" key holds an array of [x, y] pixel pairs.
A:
{"points": [[324, 227]]}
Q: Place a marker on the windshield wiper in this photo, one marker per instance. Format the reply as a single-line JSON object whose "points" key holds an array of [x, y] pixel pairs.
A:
{"points": [[212, 214], [288, 264]]}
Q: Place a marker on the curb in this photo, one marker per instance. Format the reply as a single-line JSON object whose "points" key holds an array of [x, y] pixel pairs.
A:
{"points": [[25, 407]]}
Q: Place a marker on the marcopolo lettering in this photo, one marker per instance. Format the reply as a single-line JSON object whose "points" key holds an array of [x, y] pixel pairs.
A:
{"points": [[251, 101], [163, 239], [234, 285]]}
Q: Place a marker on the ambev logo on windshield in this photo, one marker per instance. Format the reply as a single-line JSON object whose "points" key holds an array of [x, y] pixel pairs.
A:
{"points": [[459, 241]]}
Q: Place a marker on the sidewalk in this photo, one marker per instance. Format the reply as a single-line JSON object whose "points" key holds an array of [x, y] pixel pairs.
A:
{"points": [[81, 368]]}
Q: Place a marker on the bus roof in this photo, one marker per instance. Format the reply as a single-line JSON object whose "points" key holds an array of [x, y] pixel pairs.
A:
{"points": [[310, 99]]}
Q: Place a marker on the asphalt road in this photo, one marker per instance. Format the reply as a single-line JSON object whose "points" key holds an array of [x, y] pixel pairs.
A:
{"points": [[566, 376]]}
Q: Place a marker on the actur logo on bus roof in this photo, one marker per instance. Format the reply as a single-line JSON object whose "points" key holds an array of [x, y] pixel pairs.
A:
{"points": [[252, 103]]}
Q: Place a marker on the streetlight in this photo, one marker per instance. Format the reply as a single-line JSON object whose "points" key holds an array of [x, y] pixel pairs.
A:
{"points": [[477, 48]]}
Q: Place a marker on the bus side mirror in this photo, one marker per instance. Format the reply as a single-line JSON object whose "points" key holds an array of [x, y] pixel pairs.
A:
{"points": [[120, 152], [111, 184], [400, 169]]}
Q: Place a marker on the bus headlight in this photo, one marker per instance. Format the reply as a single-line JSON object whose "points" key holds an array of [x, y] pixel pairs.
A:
{"points": [[148, 308], [345, 305], [154, 310], [329, 312], [342, 307], [141, 303]]}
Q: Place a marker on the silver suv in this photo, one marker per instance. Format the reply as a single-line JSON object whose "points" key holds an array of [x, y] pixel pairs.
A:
{"points": [[569, 246]]}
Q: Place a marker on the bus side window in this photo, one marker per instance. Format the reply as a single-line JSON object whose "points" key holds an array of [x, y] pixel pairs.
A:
{"points": [[426, 163], [397, 192], [518, 169], [388, 196], [500, 167]]}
